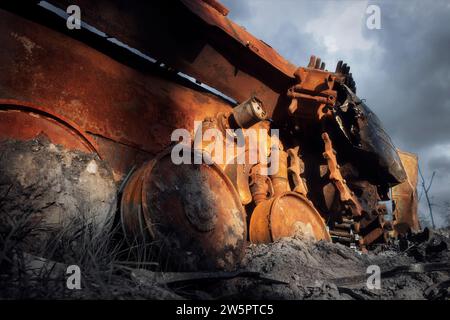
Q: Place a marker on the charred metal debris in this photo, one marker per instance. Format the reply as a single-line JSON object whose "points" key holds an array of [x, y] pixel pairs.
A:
{"points": [[85, 93]]}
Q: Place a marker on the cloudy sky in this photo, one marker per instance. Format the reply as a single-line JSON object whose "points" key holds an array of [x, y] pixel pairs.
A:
{"points": [[402, 69]]}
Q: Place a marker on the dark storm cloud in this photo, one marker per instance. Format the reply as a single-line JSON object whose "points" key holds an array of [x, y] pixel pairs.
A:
{"points": [[287, 39], [413, 94], [441, 165], [262, 19], [415, 38]]}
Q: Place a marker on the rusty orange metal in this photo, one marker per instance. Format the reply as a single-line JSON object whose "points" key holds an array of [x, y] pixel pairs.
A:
{"points": [[131, 218], [313, 85], [240, 35], [126, 114], [260, 185], [248, 115], [203, 43], [102, 98], [314, 90], [280, 182], [345, 194], [295, 170], [23, 121], [239, 176], [405, 197], [191, 213], [218, 6], [286, 215]]}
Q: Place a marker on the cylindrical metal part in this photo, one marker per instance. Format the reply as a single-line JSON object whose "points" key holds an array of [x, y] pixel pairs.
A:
{"points": [[355, 225], [260, 187], [191, 215], [249, 112], [341, 234], [342, 239], [280, 180], [346, 226]]}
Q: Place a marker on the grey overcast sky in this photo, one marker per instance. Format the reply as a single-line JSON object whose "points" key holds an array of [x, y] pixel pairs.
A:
{"points": [[402, 70]]}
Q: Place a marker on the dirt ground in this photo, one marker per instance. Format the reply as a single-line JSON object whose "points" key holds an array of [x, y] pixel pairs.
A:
{"points": [[321, 270], [291, 268]]}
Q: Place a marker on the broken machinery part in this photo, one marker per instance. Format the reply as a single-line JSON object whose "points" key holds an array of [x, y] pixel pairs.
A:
{"points": [[189, 215], [295, 170], [285, 214], [249, 113], [404, 196]]}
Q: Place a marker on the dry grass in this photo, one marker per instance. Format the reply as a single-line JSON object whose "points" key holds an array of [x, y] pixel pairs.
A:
{"points": [[34, 259]]}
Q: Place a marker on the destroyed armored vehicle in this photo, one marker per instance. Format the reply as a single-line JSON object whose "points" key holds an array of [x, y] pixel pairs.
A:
{"points": [[133, 88]]}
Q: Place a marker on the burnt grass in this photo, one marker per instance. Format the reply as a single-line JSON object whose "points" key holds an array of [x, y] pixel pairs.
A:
{"points": [[35, 251]]}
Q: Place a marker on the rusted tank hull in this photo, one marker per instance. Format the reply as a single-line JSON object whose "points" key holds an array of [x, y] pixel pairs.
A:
{"points": [[126, 114], [87, 93], [202, 43], [23, 121], [208, 46]]}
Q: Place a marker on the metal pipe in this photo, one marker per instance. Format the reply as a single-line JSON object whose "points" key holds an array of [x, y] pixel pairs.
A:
{"points": [[249, 113], [280, 180], [342, 234]]}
